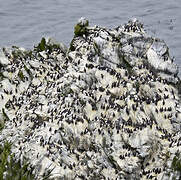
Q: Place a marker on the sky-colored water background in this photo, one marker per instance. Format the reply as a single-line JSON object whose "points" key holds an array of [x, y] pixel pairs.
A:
{"points": [[25, 22]]}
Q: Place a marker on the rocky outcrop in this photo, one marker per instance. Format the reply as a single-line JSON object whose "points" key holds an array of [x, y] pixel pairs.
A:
{"points": [[106, 108]]}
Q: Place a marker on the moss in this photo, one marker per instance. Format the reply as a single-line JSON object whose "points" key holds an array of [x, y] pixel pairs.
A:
{"points": [[2, 121], [20, 75]]}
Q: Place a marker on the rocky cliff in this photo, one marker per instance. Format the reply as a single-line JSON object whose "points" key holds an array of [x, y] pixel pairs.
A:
{"points": [[107, 107]]}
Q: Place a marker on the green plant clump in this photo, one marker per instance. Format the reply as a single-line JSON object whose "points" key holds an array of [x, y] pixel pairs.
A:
{"points": [[17, 53], [42, 45], [47, 46], [1, 76], [72, 48], [81, 28], [1, 125], [10, 169], [5, 115], [176, 164], [20, 75]]}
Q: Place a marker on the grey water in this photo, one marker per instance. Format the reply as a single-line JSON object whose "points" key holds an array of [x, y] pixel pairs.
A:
{"points": [[24, 22]]}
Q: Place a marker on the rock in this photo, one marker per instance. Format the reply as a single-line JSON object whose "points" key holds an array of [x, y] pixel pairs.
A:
{"points": [[107, 107], [3, 59]]}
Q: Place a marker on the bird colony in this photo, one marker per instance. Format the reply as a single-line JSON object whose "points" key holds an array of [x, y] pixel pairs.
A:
{"points": [[107, 107]]}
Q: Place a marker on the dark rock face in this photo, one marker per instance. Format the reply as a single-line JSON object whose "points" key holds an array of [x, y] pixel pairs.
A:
{"points": [[108, 107]]}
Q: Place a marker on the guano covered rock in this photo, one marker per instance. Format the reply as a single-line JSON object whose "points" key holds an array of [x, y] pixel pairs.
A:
{"points": [[108, 107]]}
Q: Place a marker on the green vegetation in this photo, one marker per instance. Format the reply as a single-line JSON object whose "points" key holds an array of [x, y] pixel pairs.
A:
{"points": [[28, 71], [176, 163], [72, 48], [136, 85], [96, 48], [42, 45], [12, 170], [17, 53], [48, 46], [20, 75], [5, 115], [80, 28], [1, 76], [1, 125], [28, 53]]}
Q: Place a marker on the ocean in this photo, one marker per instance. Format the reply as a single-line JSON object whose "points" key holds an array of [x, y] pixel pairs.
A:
{"points": [[24, 22]]}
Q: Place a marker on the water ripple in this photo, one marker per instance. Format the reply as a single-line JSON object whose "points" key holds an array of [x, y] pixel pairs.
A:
{"points": [[24, 22]]}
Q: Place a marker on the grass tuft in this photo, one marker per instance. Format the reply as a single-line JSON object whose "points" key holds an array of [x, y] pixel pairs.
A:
{"points": [[10, 169]]}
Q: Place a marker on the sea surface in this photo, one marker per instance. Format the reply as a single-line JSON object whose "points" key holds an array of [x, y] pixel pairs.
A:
{"points": [[24, 22]]}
